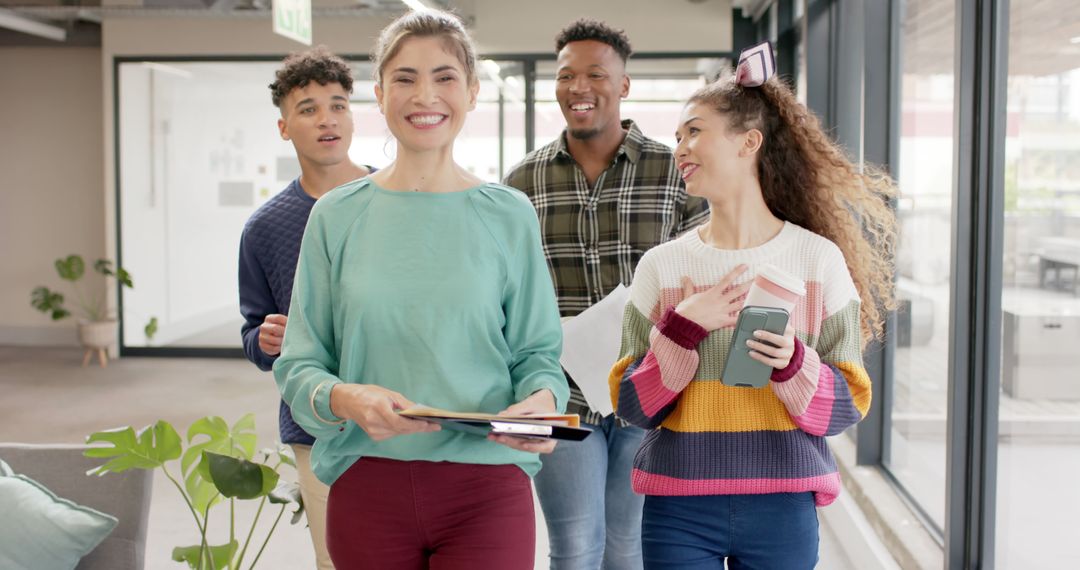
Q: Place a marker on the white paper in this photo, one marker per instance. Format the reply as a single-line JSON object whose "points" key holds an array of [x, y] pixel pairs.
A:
{"points": [[591, 347]]}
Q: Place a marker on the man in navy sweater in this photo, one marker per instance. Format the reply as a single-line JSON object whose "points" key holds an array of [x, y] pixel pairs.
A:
{"points": [[312, 92]]}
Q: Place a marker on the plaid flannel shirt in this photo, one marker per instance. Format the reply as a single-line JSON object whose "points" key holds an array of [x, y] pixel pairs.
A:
{"points": [[594, 236]]}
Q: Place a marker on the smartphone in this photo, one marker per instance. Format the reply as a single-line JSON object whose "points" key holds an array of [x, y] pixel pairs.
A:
{"points": [[532, 431], [526, 431], [740, 369]]}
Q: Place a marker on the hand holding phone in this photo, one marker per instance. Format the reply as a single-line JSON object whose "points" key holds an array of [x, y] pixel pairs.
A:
{"points": [[773, 349], [741, 369]]}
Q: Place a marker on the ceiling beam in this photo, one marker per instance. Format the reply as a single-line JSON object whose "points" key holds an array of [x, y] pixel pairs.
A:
{"points": [[14, 21]]}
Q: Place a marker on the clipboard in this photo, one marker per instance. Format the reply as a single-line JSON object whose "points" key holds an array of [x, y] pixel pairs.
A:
{"points": [[564, 427]]}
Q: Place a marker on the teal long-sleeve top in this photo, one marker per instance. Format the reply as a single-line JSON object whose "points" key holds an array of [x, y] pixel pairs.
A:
{"points": [[443, 297]]}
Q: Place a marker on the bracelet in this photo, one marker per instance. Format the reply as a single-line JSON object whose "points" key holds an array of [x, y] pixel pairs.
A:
{"points": [[315, 412]]}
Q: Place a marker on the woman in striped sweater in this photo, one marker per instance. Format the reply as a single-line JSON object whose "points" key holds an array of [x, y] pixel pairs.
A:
{"points": [[736, 473]]}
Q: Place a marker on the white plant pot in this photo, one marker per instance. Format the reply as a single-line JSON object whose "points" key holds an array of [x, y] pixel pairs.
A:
{"points": [[97, 334]]}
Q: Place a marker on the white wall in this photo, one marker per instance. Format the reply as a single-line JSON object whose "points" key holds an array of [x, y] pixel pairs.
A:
{"points": [[52, 202], [504, 26]]}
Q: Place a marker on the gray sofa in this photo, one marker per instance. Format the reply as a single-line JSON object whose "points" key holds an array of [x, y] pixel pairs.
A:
{"points": [[126, 496]]}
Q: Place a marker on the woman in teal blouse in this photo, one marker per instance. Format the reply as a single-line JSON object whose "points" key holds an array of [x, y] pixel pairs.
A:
{"points": [[422, 284]]}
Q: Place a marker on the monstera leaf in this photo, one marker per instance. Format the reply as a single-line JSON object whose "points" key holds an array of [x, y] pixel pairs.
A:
{"points": [[217, 466], [71, 268], [216, 436], [124, 278], [148, 449], [240, 478], [286, 493], [49, 302], [237, 441], [151, 328], [220, 556], [104, 267]]}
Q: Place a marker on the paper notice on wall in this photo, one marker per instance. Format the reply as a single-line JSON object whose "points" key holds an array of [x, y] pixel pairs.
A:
{"points": [[591, 346]]}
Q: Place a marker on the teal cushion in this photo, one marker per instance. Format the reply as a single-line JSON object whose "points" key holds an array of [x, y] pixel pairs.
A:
{"points": [[41, 531]]}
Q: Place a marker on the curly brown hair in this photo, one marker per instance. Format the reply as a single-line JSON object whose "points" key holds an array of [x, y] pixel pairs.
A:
{"points": [[807, 180], [318, 64]]}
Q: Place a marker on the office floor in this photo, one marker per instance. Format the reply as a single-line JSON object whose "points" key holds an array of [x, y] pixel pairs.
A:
{"points": [[48, 398]]}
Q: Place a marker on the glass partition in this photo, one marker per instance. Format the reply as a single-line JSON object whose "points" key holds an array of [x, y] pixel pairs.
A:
{"points": [[916, 419], [1039, 414], [199, 151]]}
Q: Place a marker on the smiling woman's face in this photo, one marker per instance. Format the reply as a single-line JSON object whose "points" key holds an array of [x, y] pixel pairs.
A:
{"points": [[710, 156], [425, 94]]}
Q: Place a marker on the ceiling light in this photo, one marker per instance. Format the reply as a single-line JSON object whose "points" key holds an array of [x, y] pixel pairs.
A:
{"points": [[416, 5]]}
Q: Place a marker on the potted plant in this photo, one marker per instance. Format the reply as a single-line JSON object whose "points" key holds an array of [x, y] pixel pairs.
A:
{"points": [[219, 465], [96, 328]]}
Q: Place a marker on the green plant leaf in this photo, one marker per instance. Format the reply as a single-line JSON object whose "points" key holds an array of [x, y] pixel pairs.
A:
{"points": [[286, 493], [124, 278], [236, 442], [103, 266], [218, 438], [147, 449], [151, 328], [71, 268], [202, 492], [220, 556], [245, 423], [42, 299], [49, 302], [283, 452], [243, 432], [240, 478], [217, 433]]}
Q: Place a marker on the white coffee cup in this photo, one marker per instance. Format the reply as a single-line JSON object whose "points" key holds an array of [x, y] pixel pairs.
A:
{"points": [[774, 287]]}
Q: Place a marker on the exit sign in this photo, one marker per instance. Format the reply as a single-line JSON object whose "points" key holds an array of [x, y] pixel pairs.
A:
{"points": [[292, 19]]}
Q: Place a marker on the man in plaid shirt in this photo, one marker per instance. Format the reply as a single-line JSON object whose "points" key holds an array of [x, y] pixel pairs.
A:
{"points": [[604, 194]]}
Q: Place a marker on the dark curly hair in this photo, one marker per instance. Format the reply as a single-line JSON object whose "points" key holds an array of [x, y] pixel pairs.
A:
{"points": [[317, 64], [807, 179], [586, 29]]}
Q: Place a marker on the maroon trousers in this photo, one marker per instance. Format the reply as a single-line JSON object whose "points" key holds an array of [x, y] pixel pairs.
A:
{"points": [[405, 515]]}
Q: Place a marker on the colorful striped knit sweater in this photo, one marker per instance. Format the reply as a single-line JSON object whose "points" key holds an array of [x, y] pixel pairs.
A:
{"points": [[714, 439]]}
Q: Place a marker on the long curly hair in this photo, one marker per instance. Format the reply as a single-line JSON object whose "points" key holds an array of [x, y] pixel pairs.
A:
{"points": [[807, 180]]}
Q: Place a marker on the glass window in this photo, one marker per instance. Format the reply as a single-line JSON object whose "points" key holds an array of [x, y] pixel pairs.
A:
{"points": [[200, 150], [916, 418], [1039, 415]]}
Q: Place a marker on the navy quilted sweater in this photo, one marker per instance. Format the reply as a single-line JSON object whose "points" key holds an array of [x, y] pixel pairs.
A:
{"points": [[269, 249]]}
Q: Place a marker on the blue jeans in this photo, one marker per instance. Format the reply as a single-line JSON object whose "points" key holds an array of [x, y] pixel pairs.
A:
{"points": [[593, 516], [778, 531]]}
